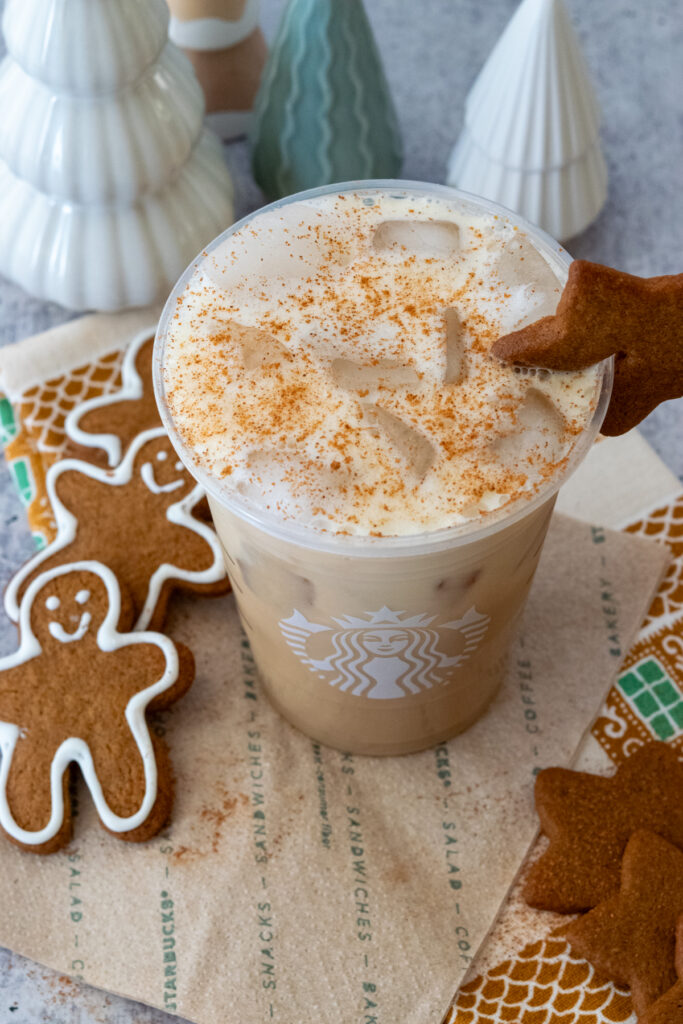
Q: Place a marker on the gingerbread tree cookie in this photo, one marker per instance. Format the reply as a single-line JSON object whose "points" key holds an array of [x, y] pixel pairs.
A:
{"points": [[135, 519], [589, 819], [100, 429], [603, 312], [76, 692], [631, 937]]}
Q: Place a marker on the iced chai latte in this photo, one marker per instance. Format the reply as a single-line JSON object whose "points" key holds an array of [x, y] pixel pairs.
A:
{"points": [[381, 486]]}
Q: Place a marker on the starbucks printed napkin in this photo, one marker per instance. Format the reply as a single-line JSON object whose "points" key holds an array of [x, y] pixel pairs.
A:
{"points": [[296, 882]]}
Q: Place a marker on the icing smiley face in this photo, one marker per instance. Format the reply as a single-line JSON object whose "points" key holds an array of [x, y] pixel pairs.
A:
{"points": [[161, 470], [57, 630], [68, 608]]}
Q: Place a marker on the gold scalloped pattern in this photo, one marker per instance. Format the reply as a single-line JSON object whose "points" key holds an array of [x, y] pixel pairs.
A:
{"points": [[665, 524], [43, 408], [545, 984], [40, 437]]}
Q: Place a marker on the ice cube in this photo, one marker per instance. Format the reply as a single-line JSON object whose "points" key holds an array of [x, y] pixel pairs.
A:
{"points": [[273, 577], [540, 426], [413, 447], [426, 238], [540, 305], [538, 412], [354, 376], [518, 262], [259, 348], [456, 360], [532, 286]]}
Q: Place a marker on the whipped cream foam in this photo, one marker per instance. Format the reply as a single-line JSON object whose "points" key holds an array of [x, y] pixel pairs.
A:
{"points": [[329, 362]]}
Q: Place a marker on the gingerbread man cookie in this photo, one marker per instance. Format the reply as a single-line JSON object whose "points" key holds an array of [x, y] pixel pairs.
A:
{"points": [[138, 520], [76, 692], [101, 429]]}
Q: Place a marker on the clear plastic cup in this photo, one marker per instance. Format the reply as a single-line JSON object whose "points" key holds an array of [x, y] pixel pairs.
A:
{"points": [[381, 645]]}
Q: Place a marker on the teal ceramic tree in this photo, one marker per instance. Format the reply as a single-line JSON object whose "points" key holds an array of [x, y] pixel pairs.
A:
{"points": [[324, 112]]}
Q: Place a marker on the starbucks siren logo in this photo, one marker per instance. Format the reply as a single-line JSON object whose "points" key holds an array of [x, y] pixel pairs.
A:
{"points": [[385, 654]]}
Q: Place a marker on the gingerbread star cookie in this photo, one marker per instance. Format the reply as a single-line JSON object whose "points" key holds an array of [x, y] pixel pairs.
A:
{"points": [[589, 819], [669, 1009], [138, 520], [631, 936], [76, 692], [101, 429], [603, 312]]}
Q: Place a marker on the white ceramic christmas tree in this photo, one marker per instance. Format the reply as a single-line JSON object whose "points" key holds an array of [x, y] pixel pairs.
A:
{"points": [[109, 184], [531, 134]]}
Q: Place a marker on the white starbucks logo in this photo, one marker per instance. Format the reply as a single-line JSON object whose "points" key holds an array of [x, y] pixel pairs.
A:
{"points": [[385, 654]]}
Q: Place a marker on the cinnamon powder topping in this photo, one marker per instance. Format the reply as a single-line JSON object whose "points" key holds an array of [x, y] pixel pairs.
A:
{"points": [[330, 362]]}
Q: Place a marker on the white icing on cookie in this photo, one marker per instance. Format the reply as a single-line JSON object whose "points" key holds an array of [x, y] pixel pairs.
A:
{"points": [[74, 750], [67, 525], [59, 633], [131, 388], [147, 474]]}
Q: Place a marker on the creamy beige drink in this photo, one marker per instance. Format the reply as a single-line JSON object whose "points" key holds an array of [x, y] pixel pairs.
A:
{"points": [[380, 484]]}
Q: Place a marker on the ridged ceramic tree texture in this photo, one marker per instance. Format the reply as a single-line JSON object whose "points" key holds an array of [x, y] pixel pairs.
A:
{"points": [[85, 46], [109, 185], [324, 112], [531, 135], [107, 150]]}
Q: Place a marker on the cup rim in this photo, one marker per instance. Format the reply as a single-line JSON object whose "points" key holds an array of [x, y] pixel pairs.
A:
{"points": [[365, 545]]}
